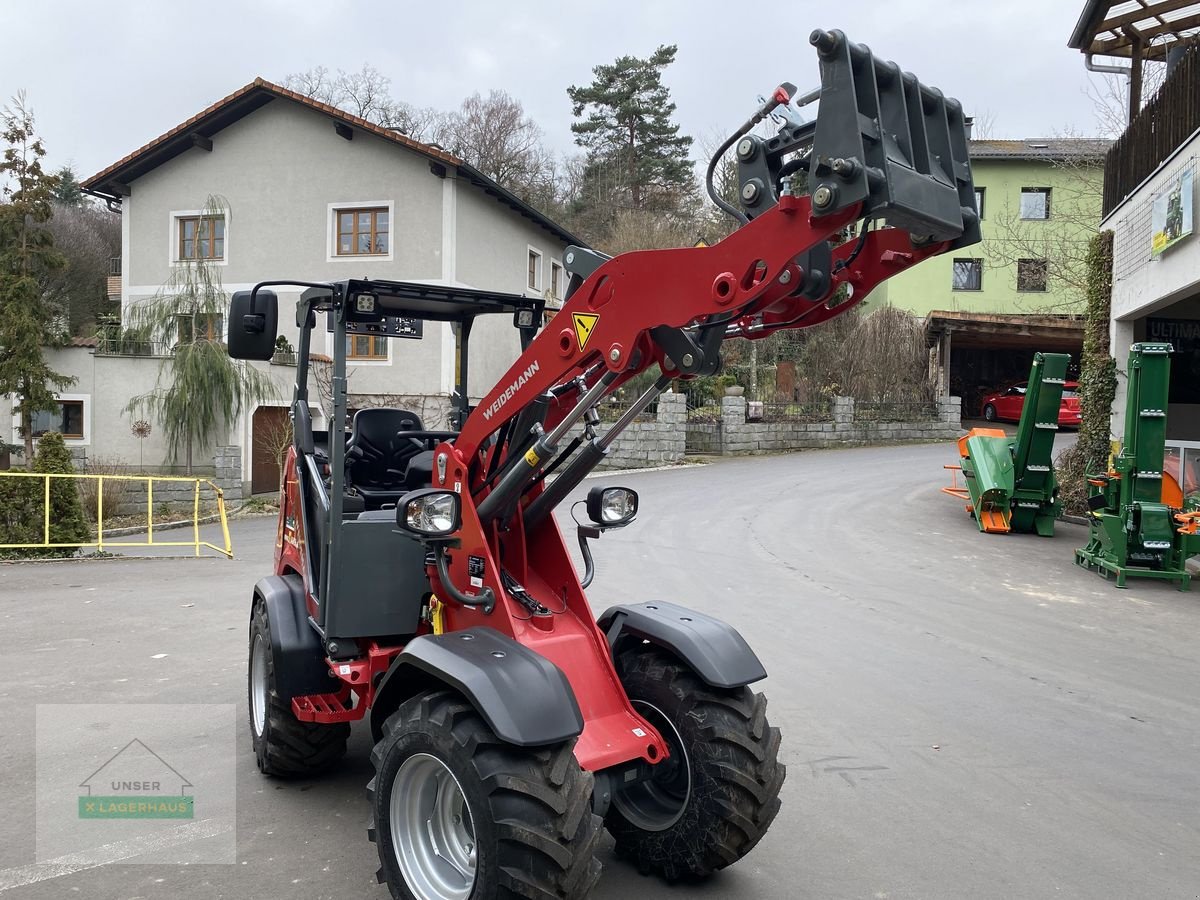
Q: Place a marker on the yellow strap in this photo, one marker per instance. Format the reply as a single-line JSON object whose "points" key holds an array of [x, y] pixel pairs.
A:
{"points": [[437, 615]]}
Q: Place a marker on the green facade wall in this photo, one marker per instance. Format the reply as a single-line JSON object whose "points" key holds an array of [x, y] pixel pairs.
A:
{"points": [[1075, 200]]}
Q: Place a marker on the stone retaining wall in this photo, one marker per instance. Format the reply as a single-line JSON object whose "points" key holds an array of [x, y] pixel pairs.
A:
{"points": [[739, 437], [645, 444]]}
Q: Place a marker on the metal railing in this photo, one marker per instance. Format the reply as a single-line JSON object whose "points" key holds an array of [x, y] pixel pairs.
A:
{"points": [[612, 408], [121, 346], [789, 411], [100, 543]]}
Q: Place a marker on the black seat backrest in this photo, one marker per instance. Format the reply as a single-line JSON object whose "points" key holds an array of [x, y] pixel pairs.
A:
{"points": [[383, 457]]}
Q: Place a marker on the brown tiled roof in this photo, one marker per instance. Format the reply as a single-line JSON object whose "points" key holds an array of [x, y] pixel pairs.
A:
{"points": [[261, 84], [1039, 148], [111, 182], [83, 342]]}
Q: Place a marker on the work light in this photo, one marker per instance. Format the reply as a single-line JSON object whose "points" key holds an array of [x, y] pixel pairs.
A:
{"points": [[429, 513], [612, 507]]}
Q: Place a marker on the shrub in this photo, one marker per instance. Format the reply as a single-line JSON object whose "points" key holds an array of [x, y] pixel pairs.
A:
{"points": [[115, 491], [67, 525], [22, 505]]}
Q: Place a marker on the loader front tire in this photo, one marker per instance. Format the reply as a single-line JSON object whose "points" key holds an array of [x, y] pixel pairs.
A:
{"points": [[457, 813], [283, 745], [708, 804]]}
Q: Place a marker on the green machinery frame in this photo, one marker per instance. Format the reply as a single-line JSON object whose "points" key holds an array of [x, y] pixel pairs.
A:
{"points": [[1010, 484], [1133, 531]]}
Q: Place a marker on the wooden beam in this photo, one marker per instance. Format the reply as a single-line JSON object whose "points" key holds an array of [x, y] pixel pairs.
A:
{"points": [[343, 130], [1153, 11], [200, 141], [1135, 72]]}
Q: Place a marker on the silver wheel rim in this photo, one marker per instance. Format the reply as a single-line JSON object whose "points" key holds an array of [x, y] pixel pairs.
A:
{"points": [[659, 803], [258, 684], [433, 836]]}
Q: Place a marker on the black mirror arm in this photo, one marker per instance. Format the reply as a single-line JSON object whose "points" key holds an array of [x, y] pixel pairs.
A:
{"points": [[485, 598], [586, 532]]}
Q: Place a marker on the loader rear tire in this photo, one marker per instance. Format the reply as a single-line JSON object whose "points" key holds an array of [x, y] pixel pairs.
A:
{"points": [[712, 801], [283, 745], [458, 813]]}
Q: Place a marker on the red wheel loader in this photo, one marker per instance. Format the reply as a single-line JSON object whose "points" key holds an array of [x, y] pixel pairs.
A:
{"points": [[421, 580]]}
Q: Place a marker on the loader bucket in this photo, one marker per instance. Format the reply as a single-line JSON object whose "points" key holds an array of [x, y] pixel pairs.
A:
{"points": [[895, 145]]}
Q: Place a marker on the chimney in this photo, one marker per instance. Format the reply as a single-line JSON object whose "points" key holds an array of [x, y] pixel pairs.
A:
{"points": [[969, 125]]}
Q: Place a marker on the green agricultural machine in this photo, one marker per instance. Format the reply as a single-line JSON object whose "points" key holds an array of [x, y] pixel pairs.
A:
{"points": [[1140, 520], [1010, 485]]}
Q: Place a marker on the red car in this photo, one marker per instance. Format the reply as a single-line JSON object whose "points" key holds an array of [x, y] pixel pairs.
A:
{"points": [[1006, 405]]}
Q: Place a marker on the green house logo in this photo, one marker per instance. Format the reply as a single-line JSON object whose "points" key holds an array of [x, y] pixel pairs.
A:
{"points": [[136, 783]]}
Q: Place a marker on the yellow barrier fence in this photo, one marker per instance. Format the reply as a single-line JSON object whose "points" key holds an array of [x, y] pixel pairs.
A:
{"points": [[100, 543]]}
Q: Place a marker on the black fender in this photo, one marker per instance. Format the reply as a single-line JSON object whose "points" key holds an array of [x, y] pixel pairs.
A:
{"points": [[296, 650], [714, 649], [524, 697]]}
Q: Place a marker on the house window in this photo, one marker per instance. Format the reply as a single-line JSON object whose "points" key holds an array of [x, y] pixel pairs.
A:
{"points": [[1032, 275], [556, 280], [363, 232], [209, 327], [979, 201], [201, 237], [967, 275], [535, 270], [67, 420], [366, 346], [1035, 203]]}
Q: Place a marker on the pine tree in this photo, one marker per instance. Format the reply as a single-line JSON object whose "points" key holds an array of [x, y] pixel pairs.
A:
{"points": [[634, 149], [67, 524], [67, 190], [27, 321]]}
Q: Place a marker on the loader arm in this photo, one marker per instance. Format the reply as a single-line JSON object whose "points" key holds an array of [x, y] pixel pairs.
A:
{"points": [[886, 153]]}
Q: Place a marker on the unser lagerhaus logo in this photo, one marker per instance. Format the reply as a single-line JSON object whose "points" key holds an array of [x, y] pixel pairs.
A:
{"points": [[136, 783]]}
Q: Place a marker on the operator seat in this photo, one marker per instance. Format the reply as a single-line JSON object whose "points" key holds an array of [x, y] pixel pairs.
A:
{"points": [[376, 459]]}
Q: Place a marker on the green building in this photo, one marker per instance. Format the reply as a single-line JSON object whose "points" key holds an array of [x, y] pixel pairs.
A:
{"points": [[989, 307]]}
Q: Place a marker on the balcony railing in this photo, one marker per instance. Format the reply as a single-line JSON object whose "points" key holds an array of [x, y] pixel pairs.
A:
{"points": [[1162, 126], [121, 346]]}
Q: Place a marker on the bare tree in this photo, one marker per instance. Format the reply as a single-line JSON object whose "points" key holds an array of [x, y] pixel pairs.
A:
{"points": [[1052, 255], [367, 94], [496, 136], [1110, 96], [87, 236]]}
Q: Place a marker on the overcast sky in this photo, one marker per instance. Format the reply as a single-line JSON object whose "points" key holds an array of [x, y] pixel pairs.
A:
{"points": [[104, 78]]}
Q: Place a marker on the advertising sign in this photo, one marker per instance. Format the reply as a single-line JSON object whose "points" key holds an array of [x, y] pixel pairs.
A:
{"points": [[1171, 214]]}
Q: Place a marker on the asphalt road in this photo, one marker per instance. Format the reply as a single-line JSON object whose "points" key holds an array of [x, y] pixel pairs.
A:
{"points": [[964, 715]]}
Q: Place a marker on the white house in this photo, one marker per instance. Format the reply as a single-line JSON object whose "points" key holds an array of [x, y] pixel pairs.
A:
{"points": [[313, 193]]}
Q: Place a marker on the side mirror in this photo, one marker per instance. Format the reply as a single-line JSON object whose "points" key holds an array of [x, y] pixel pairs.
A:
{"points": [[612, 507], [429, 513], [252, 332]]}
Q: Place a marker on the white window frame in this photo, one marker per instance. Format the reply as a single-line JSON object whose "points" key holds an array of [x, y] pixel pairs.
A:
{"points": [[173, 235], [85, 399], [535, 291], [557, 299], [331, 254]]}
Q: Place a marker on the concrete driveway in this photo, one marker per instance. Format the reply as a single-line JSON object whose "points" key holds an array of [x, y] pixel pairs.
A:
{"points": [[964, 715]]}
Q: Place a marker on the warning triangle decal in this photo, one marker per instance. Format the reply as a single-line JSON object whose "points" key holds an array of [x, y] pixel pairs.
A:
{"points": [[584, 323]]}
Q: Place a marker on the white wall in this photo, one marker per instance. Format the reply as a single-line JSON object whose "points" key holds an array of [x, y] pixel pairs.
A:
{"points": [[280, 169], [1144, 285], [492, 251]]}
